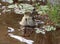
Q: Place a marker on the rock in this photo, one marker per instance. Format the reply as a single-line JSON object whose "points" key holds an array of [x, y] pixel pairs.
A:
{"points": [[27, 21]]}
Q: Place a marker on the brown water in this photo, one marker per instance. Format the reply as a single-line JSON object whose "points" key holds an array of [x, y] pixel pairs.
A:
{"points": [[12, 20]]}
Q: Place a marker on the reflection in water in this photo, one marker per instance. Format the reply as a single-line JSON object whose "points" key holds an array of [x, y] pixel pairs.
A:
{"points": [[10, 29], [19, 37]]}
